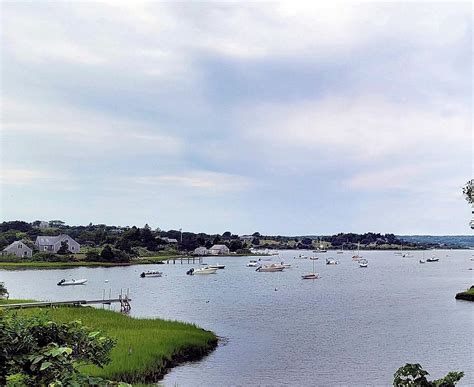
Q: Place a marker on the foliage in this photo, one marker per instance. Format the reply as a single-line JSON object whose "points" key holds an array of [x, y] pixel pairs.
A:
{"points": [[48, 256], [415, 375], [3, 291], [37, 351], [468, 191], [64, 248]]}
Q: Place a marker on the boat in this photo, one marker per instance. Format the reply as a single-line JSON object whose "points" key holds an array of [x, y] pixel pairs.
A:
{"points": [[401, 250], [407, 255], [151, 273], [285, 265], [204, 270], [363, 263], [340, 251], [314, 258], [312, 275], [432, 259], [270, 268], [252, 263], [63, 282], [422, 261], [217, 266], [357, 256], [331, 261]]}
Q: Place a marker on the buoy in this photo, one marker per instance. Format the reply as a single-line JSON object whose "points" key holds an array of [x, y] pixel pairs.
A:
{"points": [[106, 281], [276, 289]]}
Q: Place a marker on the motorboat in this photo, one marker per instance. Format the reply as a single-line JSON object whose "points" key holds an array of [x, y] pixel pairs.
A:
{"points": [[331, 261], [270, 268], [253, 263], [204, 270], [432, 259], [285, 265], [422, 261], [407, 255], [363, 263], [314, 258], [64, 282], [151, 273], [217, 266]]}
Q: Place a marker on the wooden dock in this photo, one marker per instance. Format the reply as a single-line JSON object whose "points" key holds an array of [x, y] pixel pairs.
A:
{"points": [[123, 300], [183, 260]]}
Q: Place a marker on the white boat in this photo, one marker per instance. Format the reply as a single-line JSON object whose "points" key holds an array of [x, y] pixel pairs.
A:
{"points": [[204, 270], [422, 261], [285, 265], [252, 263], [63, 282], [331, 261], [407, 255], [363, 263], [270, 268], [312, 275], [151, 273], [432, 259], [217, 266], [314, 258]]}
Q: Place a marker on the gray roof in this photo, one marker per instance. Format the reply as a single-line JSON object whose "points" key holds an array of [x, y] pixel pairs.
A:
{"points": [[218, 247], [50, 240], [14, 244]]}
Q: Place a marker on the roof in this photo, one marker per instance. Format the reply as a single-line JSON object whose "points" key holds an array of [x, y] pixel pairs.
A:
{"points": [[16, 243], [218, 247], [51, 240]]}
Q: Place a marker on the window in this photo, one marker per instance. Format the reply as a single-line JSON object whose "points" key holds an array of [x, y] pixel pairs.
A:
{"points": [[73, 247], [20, 246]]}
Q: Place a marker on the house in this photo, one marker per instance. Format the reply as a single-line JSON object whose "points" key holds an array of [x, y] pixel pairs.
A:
{"points": [[19, 249], [40, 224], [219, 250], [53, 243], [170, 240], [246, 238], [201, 251]]}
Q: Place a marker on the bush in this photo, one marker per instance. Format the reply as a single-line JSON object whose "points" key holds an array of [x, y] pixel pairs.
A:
{"points": [[10, 258], [46, 256], [39, 352], [414, 375]]}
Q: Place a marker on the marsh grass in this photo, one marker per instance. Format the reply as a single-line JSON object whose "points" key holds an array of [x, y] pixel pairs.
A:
{"points": [[145, 348]]}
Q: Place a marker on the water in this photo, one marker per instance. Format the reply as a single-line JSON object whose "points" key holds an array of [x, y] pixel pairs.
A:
{"points": [[351, 327]]}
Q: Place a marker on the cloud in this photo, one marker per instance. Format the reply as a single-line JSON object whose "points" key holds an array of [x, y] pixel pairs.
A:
{"points": [[26, 177]]}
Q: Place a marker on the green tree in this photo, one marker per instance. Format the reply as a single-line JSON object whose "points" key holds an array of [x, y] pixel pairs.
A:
{"points": [[64, 249], [3, 291], [468, 191], [414, 375]]}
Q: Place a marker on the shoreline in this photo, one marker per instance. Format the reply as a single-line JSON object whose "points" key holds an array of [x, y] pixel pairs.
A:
{"points": [[467, 295], [163, 344]]}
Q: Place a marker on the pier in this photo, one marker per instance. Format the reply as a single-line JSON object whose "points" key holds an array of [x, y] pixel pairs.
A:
{"points": [[183, 260], [124, 301]]}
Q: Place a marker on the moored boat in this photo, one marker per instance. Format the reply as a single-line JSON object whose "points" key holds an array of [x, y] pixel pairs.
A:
{"points": [[331, 261], [270, 268], [151, 273], [63, 282], [363, 263], [432, 259], [204, 270], [310, 276], [217, 266], [252, 263]]}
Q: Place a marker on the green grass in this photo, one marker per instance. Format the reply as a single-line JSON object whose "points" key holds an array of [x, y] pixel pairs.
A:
{"points": [[145, 348]]}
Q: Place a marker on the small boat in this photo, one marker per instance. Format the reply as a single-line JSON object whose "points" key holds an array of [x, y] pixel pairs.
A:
{"points": [[422, 261], [407, 255], [363, 263], [63, 282], [357, 256], [285, 265], [204, 270], [314, 258], [432, 259], [217, 266], [252, 263], [312, 275], [331, 261], [151, 273], [270, 268]]}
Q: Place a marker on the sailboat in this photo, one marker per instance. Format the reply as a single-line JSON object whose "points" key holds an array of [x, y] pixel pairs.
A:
{"points": [[340, 251], [401, 250], [312, 275], [357, 256]]}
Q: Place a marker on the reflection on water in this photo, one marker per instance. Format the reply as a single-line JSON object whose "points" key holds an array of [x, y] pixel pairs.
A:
{"points": [[353, 326]]}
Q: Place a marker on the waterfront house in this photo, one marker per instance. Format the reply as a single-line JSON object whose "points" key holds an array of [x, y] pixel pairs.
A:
{"points": [[40, 224], [170, 240], [219, 250], [201, 251], [53, 243], [246, 238], [18, 248]]}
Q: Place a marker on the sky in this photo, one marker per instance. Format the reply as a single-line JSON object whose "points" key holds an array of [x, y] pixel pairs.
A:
{"points": [[282, 118]]}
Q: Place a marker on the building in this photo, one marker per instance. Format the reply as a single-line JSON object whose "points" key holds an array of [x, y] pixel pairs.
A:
{"points": [[219, 250], [40, 224], [201, 251], [53, 243], [19, 249], [246, 238], [169, 240]]}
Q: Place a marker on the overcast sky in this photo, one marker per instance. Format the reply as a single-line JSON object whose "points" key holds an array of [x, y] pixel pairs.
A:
{"points": [[245, 117]]}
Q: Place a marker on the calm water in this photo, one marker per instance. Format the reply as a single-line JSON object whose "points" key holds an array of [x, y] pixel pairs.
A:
{"points": [[353, 326]]}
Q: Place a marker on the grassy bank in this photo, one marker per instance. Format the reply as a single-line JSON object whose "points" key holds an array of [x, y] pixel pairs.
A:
{"points": [[146, 348], [468, 295]]}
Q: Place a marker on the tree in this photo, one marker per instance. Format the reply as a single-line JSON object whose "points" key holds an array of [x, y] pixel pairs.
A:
{"points": [[56, 223], [226, 235], [3, 291], [256, 234], [107, 254], [64, 249], [414, 375], [468, 191], [235, 245], [40, 352]]}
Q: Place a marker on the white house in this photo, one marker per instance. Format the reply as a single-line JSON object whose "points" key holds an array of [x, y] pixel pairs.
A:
{"points": [[219, 250], [201, 251], [53, 243], [19, 249]]}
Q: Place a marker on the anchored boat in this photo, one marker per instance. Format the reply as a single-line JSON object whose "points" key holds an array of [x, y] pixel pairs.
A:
{"points": [[151, 273], [63, 282]]}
